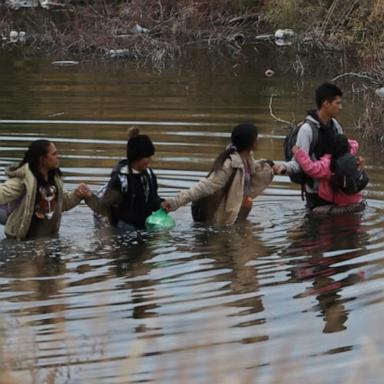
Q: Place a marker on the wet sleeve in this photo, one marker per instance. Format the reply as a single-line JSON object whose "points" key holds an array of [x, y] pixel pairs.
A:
{"points": [[205, 187], [70, 200], [10, 190], [103, 205], [261, 178]]}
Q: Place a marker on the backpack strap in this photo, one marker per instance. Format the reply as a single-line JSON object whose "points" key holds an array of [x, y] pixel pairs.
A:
{"points": [[315, 135], [151, 178], [122, 172]]}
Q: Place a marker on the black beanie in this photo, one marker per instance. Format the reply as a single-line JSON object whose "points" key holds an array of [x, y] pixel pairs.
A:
{"points": [[138, 147]]}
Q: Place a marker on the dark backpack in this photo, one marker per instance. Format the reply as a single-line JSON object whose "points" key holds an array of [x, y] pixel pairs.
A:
{"points": [[121, 173], [291, 139], [347, 177], [204, 209]]}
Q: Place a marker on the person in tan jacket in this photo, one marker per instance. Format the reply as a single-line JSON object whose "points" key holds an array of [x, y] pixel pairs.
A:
{"points": [[35, 189], [226, 194]]}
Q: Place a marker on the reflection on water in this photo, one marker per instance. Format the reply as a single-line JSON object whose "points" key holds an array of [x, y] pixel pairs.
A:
{"points": [[198, 304]]}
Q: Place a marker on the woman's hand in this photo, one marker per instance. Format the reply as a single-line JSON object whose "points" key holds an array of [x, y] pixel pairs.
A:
{"points": [[83, 191], [166, 206], [295, 149], [360, 161], [279, 169]]}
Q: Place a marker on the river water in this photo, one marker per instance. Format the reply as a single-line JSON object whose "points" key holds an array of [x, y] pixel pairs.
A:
{"points": [[281, 298]]}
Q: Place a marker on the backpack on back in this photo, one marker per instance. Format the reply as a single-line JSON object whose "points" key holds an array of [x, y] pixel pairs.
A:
{"points": [[347, 177], [291, 139], [122, 173]]}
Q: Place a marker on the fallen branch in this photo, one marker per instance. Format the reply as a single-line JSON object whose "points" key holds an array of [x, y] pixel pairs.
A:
{"points": [[274, 116]]}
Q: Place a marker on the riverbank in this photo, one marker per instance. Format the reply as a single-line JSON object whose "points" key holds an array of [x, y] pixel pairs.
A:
{"points": [[342, 36]]}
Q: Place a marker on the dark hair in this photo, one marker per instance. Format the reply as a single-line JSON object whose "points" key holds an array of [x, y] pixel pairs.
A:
{"points": [[138, 145], [327, 92], [339, 146], [36, 150], [243, 136]]}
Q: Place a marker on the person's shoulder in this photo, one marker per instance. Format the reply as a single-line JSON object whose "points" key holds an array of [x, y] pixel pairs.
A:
{"points": [[120, 167], [307, 129], [337, 125], [150, 173], [309, 123], [233, 161]]}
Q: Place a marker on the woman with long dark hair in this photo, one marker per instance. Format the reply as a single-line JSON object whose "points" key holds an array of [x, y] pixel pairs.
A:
{"points": [[236, 178], [35, 189]]}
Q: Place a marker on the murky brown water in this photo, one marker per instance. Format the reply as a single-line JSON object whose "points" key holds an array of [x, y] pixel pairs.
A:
{"points": [[282, 297]]}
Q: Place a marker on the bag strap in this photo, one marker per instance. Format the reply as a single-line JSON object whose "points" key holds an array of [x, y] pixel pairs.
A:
{"points": [[315, 135]]}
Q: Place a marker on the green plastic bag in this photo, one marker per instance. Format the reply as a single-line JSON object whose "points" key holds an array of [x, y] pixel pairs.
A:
{"points": [[159, 220]]}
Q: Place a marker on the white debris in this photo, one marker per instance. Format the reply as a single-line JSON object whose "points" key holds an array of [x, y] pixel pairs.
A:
{"points": [[380, 92], [47, 4], [139, 29], [22, 37], [14, 36], [16, 4], [284, 34], [282, 42], [265, 37], [65, 63], [117, 53]]}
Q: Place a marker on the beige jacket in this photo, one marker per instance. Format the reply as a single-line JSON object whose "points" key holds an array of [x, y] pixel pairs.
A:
{"points": [[229, 207], [21, 181]]}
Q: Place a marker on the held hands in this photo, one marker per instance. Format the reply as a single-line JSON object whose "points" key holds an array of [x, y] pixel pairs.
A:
{"points": [[279, 169], [295, 149], [360, 161], [83, 191], [166, 206]]}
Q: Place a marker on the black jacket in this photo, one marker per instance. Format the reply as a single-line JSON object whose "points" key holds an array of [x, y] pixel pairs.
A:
{"points": [[129, 197], [325, 135]]}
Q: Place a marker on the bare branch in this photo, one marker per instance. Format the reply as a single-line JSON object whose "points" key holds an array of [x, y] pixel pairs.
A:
{"points": [[274, 116], [362, 75]]}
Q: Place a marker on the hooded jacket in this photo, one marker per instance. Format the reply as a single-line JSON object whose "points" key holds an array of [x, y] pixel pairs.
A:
{"points": [[228, 207], [130, 197], [321, 170], [304, 141], [22, 182]]}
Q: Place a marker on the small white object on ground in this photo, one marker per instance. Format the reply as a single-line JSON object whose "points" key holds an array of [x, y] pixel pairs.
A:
{"points": [[380, 92]]}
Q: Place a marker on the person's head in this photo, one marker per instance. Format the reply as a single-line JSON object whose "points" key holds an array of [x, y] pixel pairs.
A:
{"points": [[243, 139], [339, 145], [329, 99], [140, 150], [42, 157]]}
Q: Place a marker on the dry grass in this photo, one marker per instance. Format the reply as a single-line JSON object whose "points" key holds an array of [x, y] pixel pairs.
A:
{"points": [[367, 367], [95, 27], [371, 122]]}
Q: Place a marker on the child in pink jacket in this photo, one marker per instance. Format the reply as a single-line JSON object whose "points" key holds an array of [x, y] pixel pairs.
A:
{"points": [[322, 170]]}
